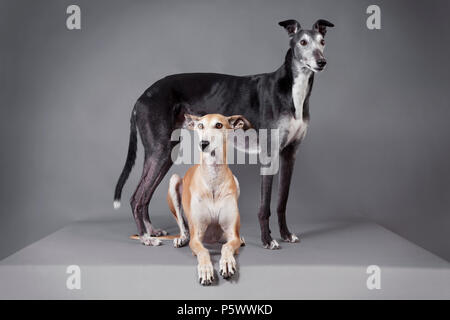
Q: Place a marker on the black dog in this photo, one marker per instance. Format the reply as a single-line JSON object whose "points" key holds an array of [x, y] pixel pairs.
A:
{"points": [[271, 100]]}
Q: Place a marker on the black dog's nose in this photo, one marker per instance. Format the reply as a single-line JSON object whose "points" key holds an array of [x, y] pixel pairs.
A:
{"points": [[204, 144], [321, 63]]}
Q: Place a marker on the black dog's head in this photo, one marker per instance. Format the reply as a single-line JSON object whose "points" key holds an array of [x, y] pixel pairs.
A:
{"points": [[308, 45]]}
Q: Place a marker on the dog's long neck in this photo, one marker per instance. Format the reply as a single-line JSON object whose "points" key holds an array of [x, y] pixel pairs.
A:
{"points": [[295, 81], [299, 87]]}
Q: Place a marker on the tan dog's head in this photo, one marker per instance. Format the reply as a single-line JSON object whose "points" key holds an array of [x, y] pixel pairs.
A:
{"points": [[212, 130]]}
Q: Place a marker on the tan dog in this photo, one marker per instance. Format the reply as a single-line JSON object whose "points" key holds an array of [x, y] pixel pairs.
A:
{"points": [[209, 194]]}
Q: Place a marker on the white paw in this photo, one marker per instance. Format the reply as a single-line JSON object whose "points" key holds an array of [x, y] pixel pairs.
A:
{"points": [[148, 240], [291, 238], [273, 245], [227, 266], [180, 241], [205, 274]]}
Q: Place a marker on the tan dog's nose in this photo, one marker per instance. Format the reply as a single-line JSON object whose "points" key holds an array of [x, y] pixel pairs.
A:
{"points": [[204, 144]]}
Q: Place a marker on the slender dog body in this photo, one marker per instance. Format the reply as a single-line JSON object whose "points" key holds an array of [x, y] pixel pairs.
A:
{"points": [[208, 194], [276, 100]]}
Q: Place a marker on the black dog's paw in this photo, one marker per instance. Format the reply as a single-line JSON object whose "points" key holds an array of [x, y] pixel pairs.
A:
{"points": [[292, 238], [159, 233], [272, 245]]}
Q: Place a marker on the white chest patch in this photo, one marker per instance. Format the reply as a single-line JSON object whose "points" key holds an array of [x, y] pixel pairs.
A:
{"points": [[299, 89], [293, 129]]}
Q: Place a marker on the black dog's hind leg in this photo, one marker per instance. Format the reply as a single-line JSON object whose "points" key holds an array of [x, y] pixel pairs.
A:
{"points": [[156, 166], [150, 229], [264, 212], [287, 161]]}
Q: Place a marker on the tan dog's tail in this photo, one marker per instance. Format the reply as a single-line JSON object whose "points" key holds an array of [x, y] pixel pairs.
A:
{"points": [[171, 237]]}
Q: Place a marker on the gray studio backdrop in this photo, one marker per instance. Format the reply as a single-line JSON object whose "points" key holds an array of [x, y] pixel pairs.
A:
{"points": [[378, 144]]}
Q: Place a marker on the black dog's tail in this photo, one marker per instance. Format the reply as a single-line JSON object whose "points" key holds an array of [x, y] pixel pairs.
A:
{"points": [[131, 158]]}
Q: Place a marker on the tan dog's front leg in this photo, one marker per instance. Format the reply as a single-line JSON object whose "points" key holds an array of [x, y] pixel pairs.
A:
{"points": [[227, 260], [205, 268]]}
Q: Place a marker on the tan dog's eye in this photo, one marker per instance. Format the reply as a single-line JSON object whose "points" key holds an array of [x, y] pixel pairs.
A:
{"points": [[200, 125], [219, 125]]}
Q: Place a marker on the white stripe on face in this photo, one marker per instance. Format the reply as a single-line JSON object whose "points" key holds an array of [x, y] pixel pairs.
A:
{"points": [[310, 50]]}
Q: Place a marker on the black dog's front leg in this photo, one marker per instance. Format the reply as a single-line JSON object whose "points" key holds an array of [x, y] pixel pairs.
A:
{"points": [[264, 212], [287, 161]]}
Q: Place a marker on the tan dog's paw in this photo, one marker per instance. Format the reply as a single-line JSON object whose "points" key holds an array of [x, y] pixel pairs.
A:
{"points": [[148, 240], [180, 241], [227, 266], [205, 273]]}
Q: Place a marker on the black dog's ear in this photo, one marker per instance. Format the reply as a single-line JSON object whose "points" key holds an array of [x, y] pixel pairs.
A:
{"points": [[239, 122], [321, 26], [191, 120], [291, 26]]}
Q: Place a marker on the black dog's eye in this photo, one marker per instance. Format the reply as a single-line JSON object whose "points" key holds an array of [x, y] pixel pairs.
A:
{"points": [[200, 125], [219, 125], [303, 42], [322, 42]]}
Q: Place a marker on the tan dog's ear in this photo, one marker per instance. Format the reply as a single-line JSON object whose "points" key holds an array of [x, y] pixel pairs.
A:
{"points": [[239, 122], [191, 121]]}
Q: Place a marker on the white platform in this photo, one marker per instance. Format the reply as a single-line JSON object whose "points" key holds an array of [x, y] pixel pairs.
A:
{"points": [[329, 263]]}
